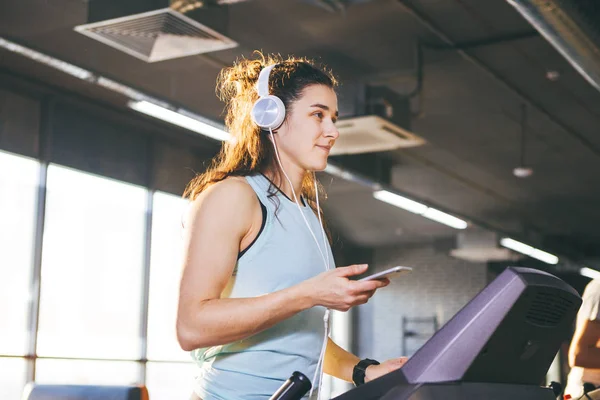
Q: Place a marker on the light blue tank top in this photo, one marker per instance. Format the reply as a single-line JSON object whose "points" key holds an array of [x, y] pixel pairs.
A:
{"points": [[283, 255]]}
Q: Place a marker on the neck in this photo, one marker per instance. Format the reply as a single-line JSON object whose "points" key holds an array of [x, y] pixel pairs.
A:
{"points": [[294, 173]]}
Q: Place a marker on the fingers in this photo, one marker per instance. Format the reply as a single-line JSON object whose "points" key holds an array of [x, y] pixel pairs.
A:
{"points": [[367, 286], [352, 270], [395, 363], [354, 292], [386, 281], [399, 362], [362, 299]]}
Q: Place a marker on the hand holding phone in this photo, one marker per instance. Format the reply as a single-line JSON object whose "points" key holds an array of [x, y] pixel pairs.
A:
{"points": [[388, 273]]}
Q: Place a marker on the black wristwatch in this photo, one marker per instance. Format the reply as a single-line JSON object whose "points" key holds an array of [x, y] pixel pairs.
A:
{"points": [[358, 374]]}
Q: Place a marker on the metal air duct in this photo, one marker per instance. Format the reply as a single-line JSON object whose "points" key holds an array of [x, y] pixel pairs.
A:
{"points": [[572, 27]]}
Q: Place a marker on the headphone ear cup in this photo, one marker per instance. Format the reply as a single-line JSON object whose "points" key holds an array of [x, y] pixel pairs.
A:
{"points": [[268, 112]]}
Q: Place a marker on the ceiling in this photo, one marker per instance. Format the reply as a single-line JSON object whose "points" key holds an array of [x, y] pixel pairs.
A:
{"points": [[481, 63]]}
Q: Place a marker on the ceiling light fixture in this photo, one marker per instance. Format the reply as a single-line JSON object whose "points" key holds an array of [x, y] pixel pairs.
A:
{"points": [[446, 219], [179, 119], [419, 209], [590, 273], [529, 250], [522, 171], [400, 201], [45, 59]]}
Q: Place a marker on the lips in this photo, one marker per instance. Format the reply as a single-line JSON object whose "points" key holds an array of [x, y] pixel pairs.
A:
{"points": [[328, 148]]}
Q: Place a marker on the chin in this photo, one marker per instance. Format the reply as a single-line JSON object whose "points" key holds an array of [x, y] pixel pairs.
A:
{"points": [[319, 166], [317, 162], [315, 165]]}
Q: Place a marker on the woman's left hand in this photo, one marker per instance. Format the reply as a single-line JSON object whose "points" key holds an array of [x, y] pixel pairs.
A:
{"points": [[375, 371]]}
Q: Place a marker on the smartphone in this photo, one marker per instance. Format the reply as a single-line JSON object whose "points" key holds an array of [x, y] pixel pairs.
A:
{"points": [[388, 273]]}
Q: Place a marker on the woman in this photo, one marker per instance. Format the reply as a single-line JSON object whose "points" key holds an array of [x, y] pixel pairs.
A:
{"points": [[256, 287]]}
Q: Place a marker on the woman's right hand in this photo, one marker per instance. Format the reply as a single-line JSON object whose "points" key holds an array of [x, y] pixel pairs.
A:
{"points": [[333, 289]]}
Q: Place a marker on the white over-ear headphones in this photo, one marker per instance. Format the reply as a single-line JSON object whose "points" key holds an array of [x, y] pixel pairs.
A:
{"points": [[268, 112]]}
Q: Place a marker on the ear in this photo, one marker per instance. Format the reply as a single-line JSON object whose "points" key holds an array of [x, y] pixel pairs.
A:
{"points": [[268, 135]]}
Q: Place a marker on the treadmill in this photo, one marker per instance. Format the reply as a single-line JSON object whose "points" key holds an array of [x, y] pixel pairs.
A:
{"points": [[499, 346]]}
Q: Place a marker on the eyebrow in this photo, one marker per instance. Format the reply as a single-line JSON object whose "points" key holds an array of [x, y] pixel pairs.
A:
{"points": [[324, 107]]}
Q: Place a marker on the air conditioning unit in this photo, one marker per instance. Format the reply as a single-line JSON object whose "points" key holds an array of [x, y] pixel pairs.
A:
{"points": [[158, 30], [373, 119], [478, 245]]}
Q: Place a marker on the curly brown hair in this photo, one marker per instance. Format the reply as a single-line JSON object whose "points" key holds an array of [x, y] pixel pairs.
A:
{"points": [[249, 151]]}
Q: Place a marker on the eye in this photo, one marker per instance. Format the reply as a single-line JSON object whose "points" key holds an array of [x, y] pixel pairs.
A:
{"points": [[319, 114]]}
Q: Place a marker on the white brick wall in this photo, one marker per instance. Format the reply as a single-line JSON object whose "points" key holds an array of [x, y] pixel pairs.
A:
{"points": [[439, 285]]}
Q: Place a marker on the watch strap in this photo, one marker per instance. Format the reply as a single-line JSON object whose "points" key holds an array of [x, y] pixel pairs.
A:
{"points": [[358, 373]]}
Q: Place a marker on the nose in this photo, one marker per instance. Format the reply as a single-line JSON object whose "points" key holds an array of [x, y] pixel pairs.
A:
{"points": [[331, 131]]}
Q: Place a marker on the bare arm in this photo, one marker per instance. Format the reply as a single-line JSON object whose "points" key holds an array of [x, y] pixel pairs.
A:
{"points": [[219, 219], [584, 351], [338, 362]]}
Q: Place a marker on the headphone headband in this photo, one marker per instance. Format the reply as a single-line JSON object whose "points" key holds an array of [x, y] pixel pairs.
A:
{"points": [[262, 85], [269, 111]]}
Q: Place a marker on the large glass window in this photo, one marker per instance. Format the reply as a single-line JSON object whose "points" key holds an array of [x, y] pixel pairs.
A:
{"points": [[18, 192], [92, 267], [168, 381], [87, 372], [91, 282], [12, 378], [165, 273]]}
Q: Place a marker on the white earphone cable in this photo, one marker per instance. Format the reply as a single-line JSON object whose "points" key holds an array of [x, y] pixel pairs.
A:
{"points": [[319, 215], [319, 368], [321, 362]]}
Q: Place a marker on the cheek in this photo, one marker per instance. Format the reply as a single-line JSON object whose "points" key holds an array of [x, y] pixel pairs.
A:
{"points": [[299, 136], [299, 145], [289, 143]]}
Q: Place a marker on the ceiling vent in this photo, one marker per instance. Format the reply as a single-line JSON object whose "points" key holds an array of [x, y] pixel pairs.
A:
{"points": [[373, 119], [157, 34], [478, 245]]}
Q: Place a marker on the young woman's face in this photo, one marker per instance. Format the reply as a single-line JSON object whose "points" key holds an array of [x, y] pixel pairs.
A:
{"points": [[309, 131]]}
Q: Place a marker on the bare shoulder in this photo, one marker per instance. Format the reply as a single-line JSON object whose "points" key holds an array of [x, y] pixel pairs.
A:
{"points": [[233, 187], [216, 223], [231, 200]]}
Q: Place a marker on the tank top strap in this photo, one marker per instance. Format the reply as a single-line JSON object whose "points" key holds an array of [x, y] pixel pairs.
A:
{"points": [[260, 185]]}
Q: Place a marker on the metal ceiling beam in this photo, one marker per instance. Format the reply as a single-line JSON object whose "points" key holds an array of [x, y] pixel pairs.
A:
{"points": [[566, 31], [486, 42], [429, 24]]}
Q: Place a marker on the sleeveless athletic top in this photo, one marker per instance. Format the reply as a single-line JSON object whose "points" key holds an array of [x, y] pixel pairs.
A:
{"points": [[284, 254]]}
